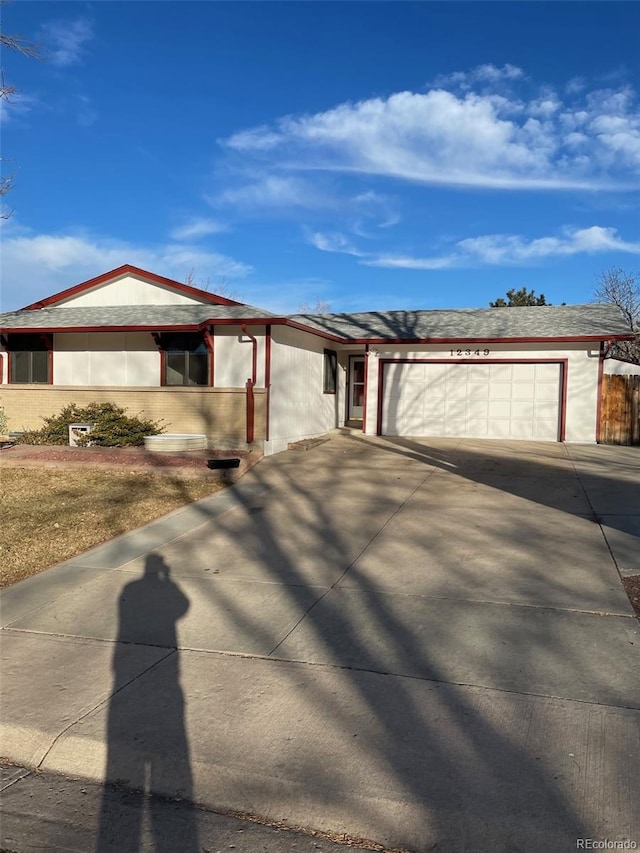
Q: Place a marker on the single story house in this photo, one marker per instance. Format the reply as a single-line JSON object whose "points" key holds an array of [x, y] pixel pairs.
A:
{"points": [[237, 373]]}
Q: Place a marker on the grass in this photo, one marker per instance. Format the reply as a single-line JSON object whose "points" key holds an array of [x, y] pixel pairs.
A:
{"points": [[50, 515]]}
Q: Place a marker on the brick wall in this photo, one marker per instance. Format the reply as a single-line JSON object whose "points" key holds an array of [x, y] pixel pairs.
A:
{"points": [[216, 412]]}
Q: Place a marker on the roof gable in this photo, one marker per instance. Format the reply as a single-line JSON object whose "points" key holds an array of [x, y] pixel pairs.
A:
{"points": [[129, 285]]}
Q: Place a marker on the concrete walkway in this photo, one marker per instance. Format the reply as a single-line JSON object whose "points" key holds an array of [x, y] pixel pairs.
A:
{"points": [[421, 642]]}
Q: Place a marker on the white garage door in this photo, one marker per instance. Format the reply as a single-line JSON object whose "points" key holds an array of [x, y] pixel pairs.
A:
{"points": [[512, 400]]}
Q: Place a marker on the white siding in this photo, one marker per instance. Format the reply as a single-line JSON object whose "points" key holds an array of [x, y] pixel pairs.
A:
{"points": [[4, 369], [105, 358], [232, 356], [298, 407], [130, 290], [621, 368], [582, 377]]}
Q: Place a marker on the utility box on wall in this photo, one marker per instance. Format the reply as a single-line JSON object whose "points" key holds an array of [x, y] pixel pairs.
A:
{"points": [[77, 430]]}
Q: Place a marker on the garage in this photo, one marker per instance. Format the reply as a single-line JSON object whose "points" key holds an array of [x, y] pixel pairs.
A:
{"points": [[498, 399]]}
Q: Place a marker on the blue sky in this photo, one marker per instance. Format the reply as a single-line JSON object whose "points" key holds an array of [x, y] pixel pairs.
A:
{"points": [[369, 155]]}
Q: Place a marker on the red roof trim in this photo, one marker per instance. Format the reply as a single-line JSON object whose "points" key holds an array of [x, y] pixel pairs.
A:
{"points": [[128, 269]]}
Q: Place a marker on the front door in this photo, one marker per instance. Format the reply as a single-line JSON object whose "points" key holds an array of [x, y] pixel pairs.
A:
{"points": [[355, 407]]}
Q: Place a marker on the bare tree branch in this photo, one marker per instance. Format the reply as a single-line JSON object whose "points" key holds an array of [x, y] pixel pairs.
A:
{"points": [[617, 287], [222, 288], [7, 91], [321, 306]]}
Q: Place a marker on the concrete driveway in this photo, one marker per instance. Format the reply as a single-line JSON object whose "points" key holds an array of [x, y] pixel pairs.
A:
{"points": [[421, 642]]}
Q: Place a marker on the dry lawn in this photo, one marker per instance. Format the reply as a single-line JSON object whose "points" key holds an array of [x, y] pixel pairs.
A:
{"points": [[50, 515]]}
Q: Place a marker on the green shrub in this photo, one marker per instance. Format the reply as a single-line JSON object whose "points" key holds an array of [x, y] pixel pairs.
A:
{"points": [[4, 426], [112, 427]]}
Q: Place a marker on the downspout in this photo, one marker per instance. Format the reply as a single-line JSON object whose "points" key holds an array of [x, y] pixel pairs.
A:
{"points": [[604, 352], [251, 384], [1, 368], [267, 380]]}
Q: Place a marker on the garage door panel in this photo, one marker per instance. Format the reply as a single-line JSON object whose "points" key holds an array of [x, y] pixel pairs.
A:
{"points": [[478, 390], [523, 390], [456, 390], [546, 427], [433, 426], [524, 372], [546, 391], [500, 427], [500, 390], [500, 372], [480, 428], [478, 409], [455, 408], [477, 372], [500, 409], [522, 409], [521, 429], [545, 410], [480, 400], [412, 422], [546, 371]]}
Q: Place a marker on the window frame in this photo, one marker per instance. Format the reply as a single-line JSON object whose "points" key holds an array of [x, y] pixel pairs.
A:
{"points": [[29, 344], [330, 372], [199, 349]]}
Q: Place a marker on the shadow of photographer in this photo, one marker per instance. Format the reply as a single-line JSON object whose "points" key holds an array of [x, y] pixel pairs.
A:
{"points": [[147, 744]]}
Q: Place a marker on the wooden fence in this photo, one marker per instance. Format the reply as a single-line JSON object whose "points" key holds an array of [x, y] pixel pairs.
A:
{"points": [[620, 412]]}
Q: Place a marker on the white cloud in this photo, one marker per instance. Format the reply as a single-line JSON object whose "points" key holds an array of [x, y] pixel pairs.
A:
{"points": [[474, 135], [334, 242], [198, 227], [576, 84], [490, 249], [496, 249], [378, 207], [16, 105], [271, 191], [36, 265], [487, 73], [65, 41], [406, 262]]}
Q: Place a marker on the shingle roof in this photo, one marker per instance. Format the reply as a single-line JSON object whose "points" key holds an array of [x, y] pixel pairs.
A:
{"points": [[545, 321], [153, 316], [562, 321]]}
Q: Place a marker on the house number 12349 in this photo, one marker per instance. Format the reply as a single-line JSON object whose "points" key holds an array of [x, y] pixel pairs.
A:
{"points": [[469, 352]]}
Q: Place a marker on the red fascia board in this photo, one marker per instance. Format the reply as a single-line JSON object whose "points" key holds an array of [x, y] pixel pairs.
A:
{"points": [[131, 270]]}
